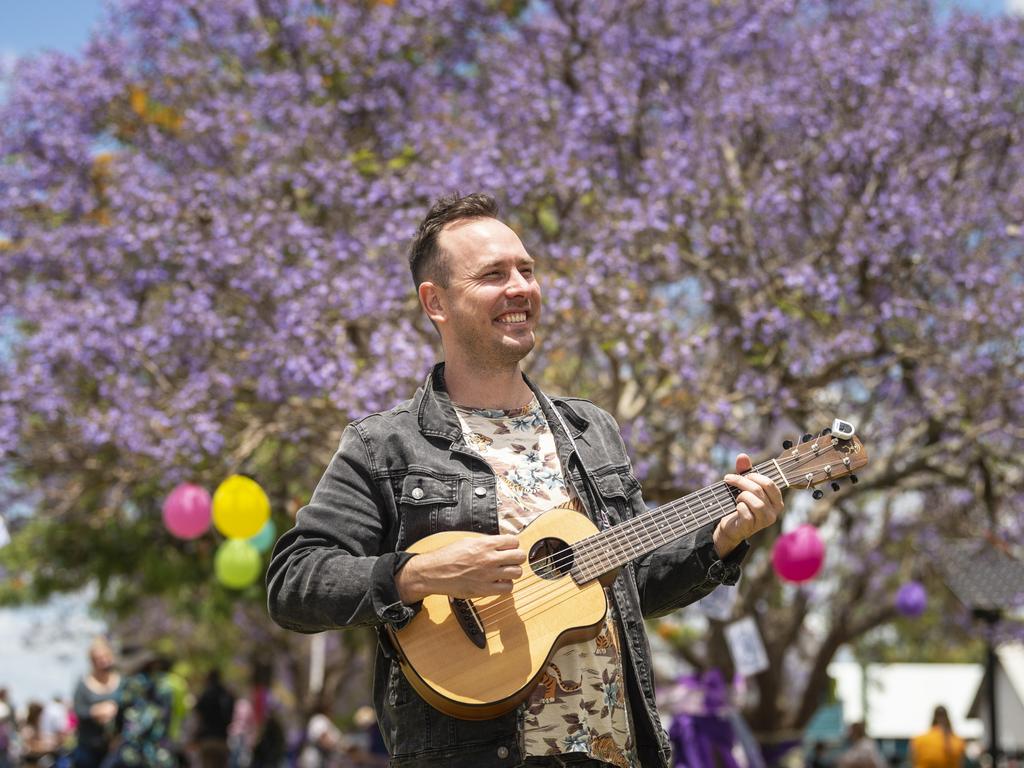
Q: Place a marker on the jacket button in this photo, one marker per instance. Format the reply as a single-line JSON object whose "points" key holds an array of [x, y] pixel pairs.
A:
{"points": [[417, 493], [502, 752], [481, 491]]}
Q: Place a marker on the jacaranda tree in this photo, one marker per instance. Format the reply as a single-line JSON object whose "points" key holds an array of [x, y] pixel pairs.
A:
{"points": [[750, 218]]}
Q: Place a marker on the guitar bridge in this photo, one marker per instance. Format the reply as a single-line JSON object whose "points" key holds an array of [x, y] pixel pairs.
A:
{"points": [[468, 618]]}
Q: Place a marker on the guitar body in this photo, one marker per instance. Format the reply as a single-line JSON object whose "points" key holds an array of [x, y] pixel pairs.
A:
{"points": [[439, 650]]}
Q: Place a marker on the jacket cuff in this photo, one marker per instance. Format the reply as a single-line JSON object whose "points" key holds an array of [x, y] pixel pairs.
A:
{"points": [[386, 602], [726, 570]]}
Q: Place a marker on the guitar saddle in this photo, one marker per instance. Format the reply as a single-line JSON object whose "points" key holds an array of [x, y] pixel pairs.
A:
{"points": [[468, 618]]}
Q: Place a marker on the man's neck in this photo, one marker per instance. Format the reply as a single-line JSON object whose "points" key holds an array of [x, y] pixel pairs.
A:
{"points": [[486, 388]]}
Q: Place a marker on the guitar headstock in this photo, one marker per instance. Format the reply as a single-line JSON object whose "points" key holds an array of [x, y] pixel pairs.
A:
{"points": [[834, 453]]}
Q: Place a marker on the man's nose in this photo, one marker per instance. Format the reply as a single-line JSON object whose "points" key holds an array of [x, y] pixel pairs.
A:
{"points": [[517, 283]]}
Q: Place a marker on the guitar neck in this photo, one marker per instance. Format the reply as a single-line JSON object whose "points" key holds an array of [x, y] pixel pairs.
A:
{"points": [[614, 547]]}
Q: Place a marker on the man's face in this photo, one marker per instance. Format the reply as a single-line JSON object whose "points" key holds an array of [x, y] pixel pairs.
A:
{"points": [[492, 303]]}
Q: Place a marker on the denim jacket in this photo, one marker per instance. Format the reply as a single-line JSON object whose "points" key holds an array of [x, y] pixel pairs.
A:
{"points": [[336, 567]]}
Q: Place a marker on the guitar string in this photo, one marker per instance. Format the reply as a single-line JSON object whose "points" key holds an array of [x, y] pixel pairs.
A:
{"points": [[551, 596], [644, 524], [641, 525]]}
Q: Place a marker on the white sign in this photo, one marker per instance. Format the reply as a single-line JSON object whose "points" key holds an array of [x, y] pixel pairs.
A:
{"points": [[746, 647]]}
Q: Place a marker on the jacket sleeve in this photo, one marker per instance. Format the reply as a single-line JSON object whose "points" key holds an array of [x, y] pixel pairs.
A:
{"points": [[684, 571], [334, 569]]}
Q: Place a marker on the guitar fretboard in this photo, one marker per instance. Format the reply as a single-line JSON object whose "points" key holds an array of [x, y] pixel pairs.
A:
{"points": [[607, 550]]}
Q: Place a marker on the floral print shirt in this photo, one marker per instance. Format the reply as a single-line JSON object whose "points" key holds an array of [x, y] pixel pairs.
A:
{"points": [[579, 704], [145, 717]]}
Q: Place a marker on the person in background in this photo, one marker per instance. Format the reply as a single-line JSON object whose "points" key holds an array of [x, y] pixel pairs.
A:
{"points": [[144, 716], [213, 710], [324, 742], [95, 706], [370, 750], [819, 756], [6, 729], [861, 750], [37, 748], [272, 745], [938, 747], [55, 722]]}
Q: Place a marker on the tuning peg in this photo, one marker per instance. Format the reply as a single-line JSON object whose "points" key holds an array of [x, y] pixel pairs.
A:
{"points": [[835, 486], [853, 479], [826, 431], [806, 437], [787, 444], [818, 493]]}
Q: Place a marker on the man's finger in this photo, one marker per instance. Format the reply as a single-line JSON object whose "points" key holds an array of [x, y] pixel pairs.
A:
{"points": [[743, 482], [743, 463], [753, 502], [773, 491], [509, 557]]}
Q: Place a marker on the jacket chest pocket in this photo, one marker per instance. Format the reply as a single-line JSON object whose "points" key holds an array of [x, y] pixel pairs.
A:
{"points": [[426, 502], [615, 487]]}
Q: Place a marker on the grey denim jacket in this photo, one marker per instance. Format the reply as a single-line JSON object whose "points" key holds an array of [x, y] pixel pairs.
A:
{"points": [[336, 568]]}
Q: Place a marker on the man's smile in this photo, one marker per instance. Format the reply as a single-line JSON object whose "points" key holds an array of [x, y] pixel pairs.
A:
{"points": [[512, 318]]}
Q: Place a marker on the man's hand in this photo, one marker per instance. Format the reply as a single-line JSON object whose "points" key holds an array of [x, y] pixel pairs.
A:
{"points": [[757, 507], [473, 567]]}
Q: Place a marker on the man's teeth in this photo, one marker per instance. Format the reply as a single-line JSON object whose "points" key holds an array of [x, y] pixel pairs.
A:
{"points": [[513, 317]]}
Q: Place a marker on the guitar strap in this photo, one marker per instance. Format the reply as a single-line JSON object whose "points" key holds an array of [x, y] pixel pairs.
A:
{"points": [[592, 491]]}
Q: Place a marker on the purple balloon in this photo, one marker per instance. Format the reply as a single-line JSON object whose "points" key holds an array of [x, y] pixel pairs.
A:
{"points": [[799, 554], [911, 599], [187, 511]]}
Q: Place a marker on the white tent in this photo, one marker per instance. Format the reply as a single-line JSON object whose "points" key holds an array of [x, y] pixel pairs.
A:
{"points": [[896, 701], [1009, 697]]}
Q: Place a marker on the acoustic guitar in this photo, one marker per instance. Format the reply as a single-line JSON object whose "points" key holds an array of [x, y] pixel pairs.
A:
{"points": [[478, 658]]}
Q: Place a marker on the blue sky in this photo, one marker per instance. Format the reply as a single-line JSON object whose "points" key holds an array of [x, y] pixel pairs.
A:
{"points": [[28, 26]]}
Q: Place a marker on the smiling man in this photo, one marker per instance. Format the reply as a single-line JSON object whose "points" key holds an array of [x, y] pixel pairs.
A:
{"points": [[480, 448]]}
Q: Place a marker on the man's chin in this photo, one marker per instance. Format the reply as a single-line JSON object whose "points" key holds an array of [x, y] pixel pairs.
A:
{"points": [[515, 349]]}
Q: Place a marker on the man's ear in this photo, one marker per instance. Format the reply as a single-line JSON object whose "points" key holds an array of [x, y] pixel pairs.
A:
{"points": [[432, 300]]}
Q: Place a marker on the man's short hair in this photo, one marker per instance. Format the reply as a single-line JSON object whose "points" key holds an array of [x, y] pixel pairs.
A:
{"points": [[427, 259]]}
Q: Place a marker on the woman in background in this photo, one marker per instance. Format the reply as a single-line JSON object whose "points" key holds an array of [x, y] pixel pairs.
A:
{"points": [[938, 747], [95, 704]]}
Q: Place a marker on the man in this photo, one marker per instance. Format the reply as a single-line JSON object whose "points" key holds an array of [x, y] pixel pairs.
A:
{"points": [[213, 710], [444, 460]]}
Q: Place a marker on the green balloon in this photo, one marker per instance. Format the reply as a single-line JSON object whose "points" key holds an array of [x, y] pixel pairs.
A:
{"points": [[237, 563], [264, 540]]}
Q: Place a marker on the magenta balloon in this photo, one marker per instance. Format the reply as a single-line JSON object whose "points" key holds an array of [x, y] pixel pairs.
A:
{"points": [[187, 511], [799, 554]]}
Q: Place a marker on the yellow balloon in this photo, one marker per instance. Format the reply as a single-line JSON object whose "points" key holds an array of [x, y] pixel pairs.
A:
{"points": [[240, 507]]}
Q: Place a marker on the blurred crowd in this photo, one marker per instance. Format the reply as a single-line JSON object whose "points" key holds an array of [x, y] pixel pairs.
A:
{"points": [[136, 711]]}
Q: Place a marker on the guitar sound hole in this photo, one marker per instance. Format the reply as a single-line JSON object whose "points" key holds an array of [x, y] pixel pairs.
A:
{"points": [[551, 558]]}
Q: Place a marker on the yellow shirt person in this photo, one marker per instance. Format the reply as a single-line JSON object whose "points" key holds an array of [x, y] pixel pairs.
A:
{"points": [[939, 747]]}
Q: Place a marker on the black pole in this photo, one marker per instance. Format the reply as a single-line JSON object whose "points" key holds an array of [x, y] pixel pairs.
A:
{"points": [[990, 617], [990, 672]]}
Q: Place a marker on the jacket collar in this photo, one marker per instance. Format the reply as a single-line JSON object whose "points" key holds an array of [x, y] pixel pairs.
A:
{"points": [[437, 416]]}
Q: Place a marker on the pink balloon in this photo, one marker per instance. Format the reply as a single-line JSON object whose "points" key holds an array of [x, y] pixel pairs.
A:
{"points": [[187, 511], [799, 554]]}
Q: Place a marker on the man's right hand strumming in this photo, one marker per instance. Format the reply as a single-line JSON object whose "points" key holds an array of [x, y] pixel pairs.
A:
{"points": [[473, 567]]}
